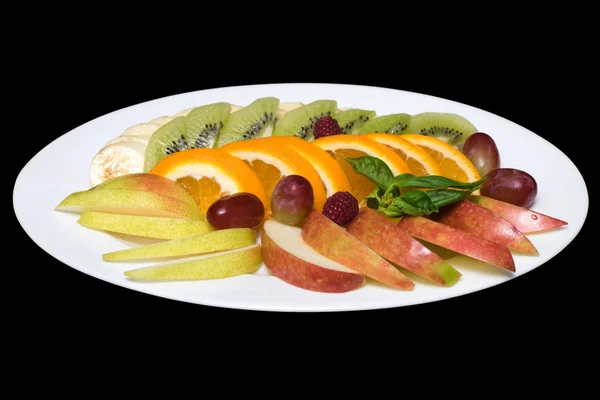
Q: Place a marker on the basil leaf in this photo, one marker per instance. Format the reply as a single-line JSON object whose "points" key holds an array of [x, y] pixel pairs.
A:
{"points": [[432, 181], [387, 198], [374, 169], [392, 211], [374, 199], [443, 197], [373, 203], [416, 202], [413, 203], [375, 194]]}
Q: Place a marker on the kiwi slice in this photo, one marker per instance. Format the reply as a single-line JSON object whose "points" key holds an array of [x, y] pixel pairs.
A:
{"points": [[352, 120], [204, 123], [392, 123], [198, 129], [255, 120], [301, 121], [166, 140], [451, 128]]}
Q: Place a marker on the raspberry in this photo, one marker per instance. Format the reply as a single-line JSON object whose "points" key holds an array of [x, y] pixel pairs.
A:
{"points": [[341, 208], [327, 126]]}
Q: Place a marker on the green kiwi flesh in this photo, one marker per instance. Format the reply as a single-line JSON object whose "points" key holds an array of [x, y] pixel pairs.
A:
{"points": [[166, 140], [451, 128], [256, 120], [352, 120], [198, 129], [204, 123], [392, 123], [301, 121]]}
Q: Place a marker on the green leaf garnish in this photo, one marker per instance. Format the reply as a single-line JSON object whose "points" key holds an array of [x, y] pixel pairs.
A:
{"points": [[374, 169], [387, 198], [374, 199], [443, 197], [431, 182], [416, 203]]}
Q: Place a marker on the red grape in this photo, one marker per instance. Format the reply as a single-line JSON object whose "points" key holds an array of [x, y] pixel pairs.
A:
{"points": [[481, 150], [239, 210], [510, 185], [292, 199]]}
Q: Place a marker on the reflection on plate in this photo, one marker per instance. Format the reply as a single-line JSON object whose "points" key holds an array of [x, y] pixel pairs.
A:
{"points": [[82, 249]]}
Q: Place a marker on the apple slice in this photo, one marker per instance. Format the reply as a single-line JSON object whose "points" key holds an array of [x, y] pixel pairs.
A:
{"points": [[335, 243], [151, 182], [524, 219], [223, 264], [458, 241], [479, 221], [225, 239], [152, 227], [129, 202], [289, 258], [385, 238]]}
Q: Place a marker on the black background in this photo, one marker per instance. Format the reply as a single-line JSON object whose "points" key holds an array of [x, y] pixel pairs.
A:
{"points": [[520, 80]]}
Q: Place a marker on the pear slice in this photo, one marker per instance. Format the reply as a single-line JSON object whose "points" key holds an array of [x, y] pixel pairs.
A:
{"points": [[150, 182], [223, 264], [152, 227], [225, 239], [129, 202]]}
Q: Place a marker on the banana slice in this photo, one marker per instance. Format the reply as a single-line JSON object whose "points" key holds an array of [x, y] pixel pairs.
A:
{"points": [[129, 138], [117, 159], [286, 107], [160, 120], [141, 130], [184, 112]]}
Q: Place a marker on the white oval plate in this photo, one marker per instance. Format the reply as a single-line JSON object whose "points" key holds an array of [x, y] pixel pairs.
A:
{"points": [[39, 189]]}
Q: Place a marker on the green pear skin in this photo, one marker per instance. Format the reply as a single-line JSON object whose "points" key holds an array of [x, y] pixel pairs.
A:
{"points": [[220, 265], [152, 227], [149, 182], [220, 240], [130, 202]]}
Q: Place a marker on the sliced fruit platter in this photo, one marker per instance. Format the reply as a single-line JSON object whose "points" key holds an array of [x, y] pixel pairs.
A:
{"points": [[326, 199]]}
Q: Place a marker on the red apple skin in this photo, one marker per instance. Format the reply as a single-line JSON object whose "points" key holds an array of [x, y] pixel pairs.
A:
{"points": [[305, 275], [385, 238], [479, 221], [458, 241], [524, 219], [334, 242]]}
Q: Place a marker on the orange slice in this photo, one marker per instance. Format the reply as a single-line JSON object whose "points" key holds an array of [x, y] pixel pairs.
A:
{"points": [[417, 159], [208, 174], [353, 146], [272, 162], [332, 175], [453, 164]]}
